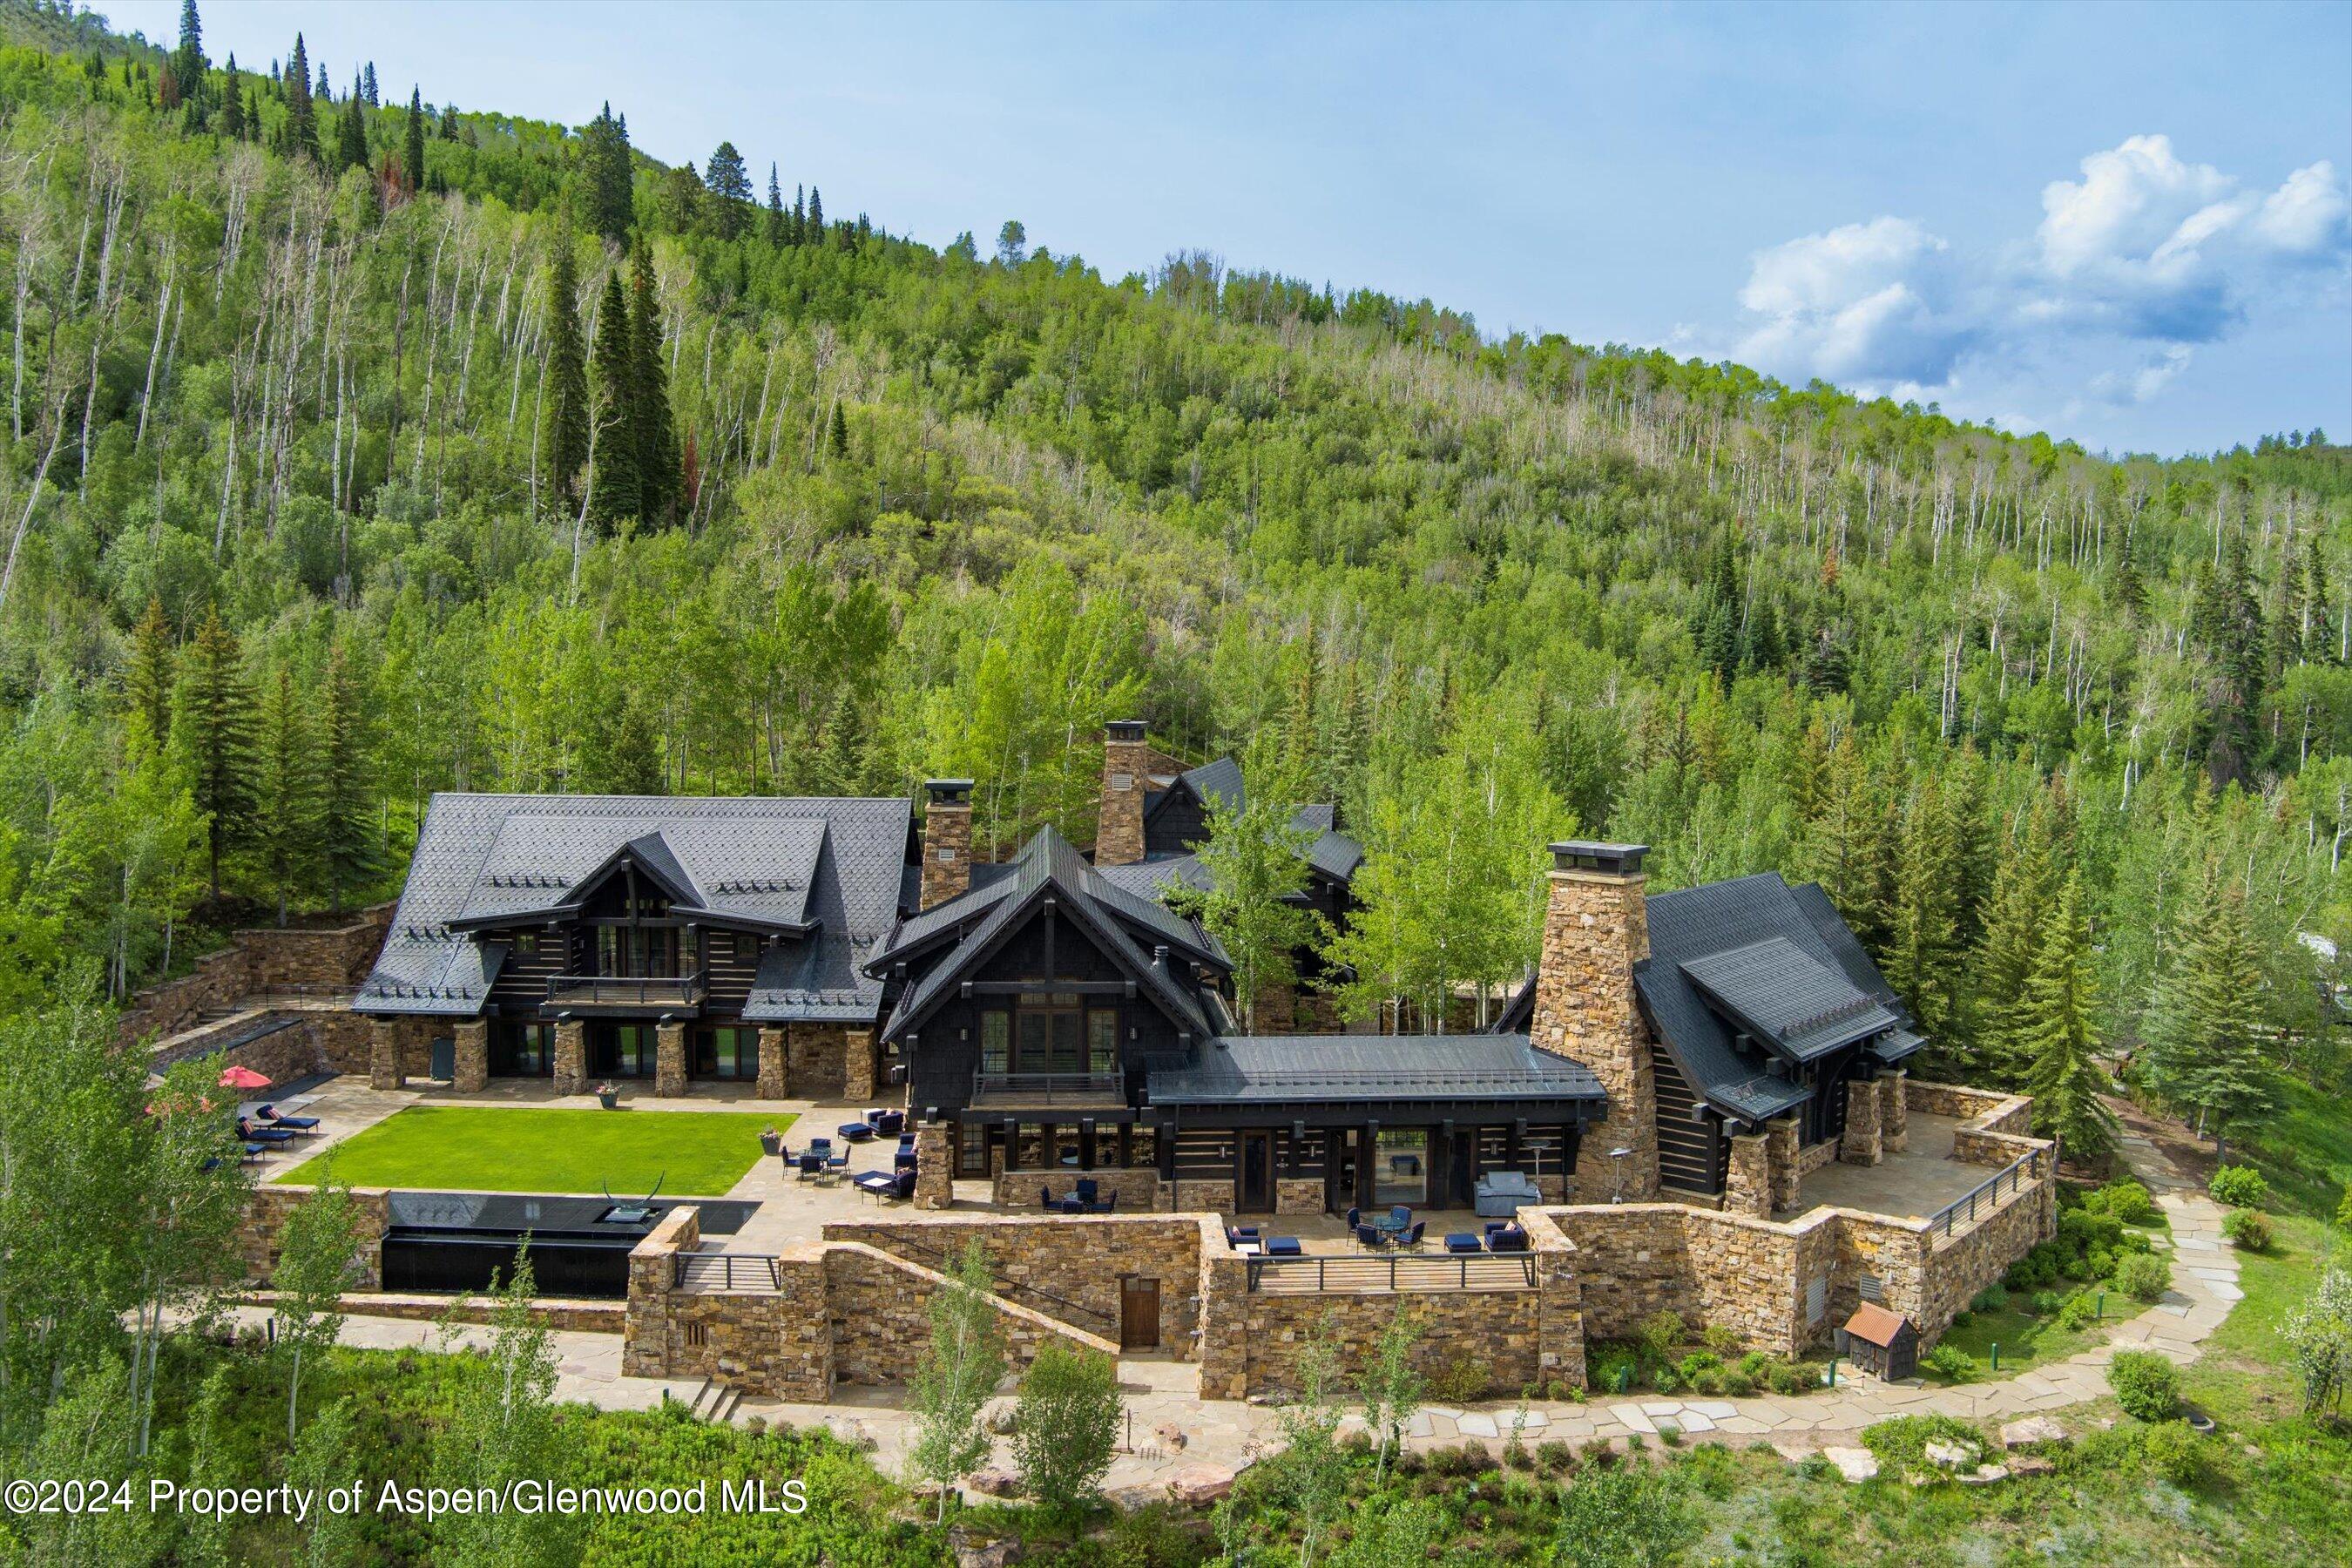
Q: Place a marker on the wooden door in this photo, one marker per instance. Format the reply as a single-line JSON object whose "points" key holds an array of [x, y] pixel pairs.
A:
{"points": [[1138, 1312], [1256, 1194]]}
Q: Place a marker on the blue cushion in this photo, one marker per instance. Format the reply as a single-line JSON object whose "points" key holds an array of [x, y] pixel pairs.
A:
{"points": [[1463, 1241]]}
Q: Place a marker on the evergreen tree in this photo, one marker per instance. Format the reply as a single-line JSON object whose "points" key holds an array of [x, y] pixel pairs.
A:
{"points": [[232, 119], [147, 674], [188, 64], [2053, 1035], [1849, 850], [813, 230], [2228, 628], [774, 231], [412, 142], [655, 431], [616, 494], [351, 143], [799, 231], [1923, 937], [302, 121], [610, 174], [213, 732], [368, 87], [730, 188], [2202, 1050], [840, 438], [2319, 636], [349, 853], [2023, 891], [564, 434], [287, 797]]}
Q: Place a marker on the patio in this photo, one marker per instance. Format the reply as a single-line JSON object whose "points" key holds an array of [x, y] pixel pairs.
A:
{"points": [[1915, 1183]]}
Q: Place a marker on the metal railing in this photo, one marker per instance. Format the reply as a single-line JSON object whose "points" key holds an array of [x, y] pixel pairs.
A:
{"points": [[1050, 1088], [1963, 1211], [726, 1271], [1451, 1272], [627, 990]]}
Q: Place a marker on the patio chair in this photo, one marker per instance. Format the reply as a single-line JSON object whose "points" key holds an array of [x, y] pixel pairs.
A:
{"points": [[1107, 1205], [1413, 1238], [837, 1164], [252, 1134], [904, 1160], [888, 1123], [267, 1116], [1237, 1234], [1284, 1247], [1355, 1218], [811, 1163], [1508, 1239], [1075, 1205], [1400, 1217], [1045, 1198], [1086, 1189], [1370, 1237]]}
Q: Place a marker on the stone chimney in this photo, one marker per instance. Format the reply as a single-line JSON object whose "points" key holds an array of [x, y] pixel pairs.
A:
{"points": [[1596, 929], [947, 840], [1126, 775]]}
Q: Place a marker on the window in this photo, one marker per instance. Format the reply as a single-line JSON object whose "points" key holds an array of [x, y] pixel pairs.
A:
{"points": [[526, 943], [1102, 1040], [971, 1148], [995, 1042], [520, 1049], [1401, 1168], [727, 1052]]}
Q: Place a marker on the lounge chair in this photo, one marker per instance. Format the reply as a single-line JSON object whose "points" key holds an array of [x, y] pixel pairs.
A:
{"points": [[1284, 1247], [1372, 1238], [267, 1116], [1235, 1235], [887, 1123], [875, 1185], [252, 1134]]}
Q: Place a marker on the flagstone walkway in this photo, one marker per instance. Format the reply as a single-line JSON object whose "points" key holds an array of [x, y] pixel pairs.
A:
{"points": [[1163, 1396]]}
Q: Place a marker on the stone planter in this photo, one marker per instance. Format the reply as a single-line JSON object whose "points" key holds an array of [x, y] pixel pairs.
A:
{"points": [[610, 1098]]}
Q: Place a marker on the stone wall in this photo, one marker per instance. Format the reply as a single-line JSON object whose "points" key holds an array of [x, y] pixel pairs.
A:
{"points": [[1596, 929], [879, 1305], [264, 959], [1707, 1268], [1994, 1110], [776, 1341], [1139, 1188], [816, 1061], [1960, 1265], [265, 1210], [1204, 1198], [1125, 780], [1077, 1258]]}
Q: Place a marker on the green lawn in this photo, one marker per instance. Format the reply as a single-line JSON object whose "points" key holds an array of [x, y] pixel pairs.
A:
{"points": [[697, 1154]]}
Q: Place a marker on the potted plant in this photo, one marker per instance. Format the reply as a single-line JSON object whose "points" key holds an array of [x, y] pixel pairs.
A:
{"points": [[608, 1095], [770, 1141]]}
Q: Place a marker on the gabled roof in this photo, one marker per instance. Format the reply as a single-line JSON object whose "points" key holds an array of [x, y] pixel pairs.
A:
{"points": [[979, 922], [1789, 999], [1251, 1068], [1329, 851], [1874, 1324], [822, 873]]}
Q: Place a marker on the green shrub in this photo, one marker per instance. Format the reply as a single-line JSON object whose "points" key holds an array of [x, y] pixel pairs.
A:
{"points": [[2249, 1229], [2146, 1384], [2344, 1210], [2134, 1241], [1722, 1338], [1738, 1384], [2079, 1230], [2079, 1312], [1461, 1381], [2101, 1260], [1658, 1335], [1901, 1444], [1667, 1380], [2172, 1450], [2046, 1302], [1951, 1362], [1615, 1369], [1708, 1380], [1757, 1366], [1788, 1377], [1991, 1298], [2239, 1187], [1698, 1362], [2125, 1199], [2144, 1277], [1556, 1455]]}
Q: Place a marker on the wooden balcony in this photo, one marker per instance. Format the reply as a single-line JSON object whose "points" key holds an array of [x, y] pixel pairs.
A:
{"points": [[1049, 1091], [626, 994]]}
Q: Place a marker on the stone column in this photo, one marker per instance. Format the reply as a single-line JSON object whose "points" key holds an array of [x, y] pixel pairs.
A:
{"points": [[669, 1061], [1596, 929], [1127, 775], [947, 840], [1784, 1133], [1748, 1189], [571, 1057], [1894, 1113], [472, 1073], [934, 1167], [858, 1065], [772, 1056], [1860, 1144], [385, 1067]]}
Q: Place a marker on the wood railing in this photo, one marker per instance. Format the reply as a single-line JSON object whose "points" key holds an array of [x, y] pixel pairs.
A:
{"points": [[627, 989], [1452, 1271]]}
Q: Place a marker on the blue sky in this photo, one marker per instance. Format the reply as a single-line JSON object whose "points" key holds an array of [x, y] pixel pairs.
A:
{"points": [[2124, 224]]}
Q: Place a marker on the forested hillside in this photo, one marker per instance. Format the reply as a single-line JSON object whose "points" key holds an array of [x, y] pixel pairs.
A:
{"points": [[360, 448]]}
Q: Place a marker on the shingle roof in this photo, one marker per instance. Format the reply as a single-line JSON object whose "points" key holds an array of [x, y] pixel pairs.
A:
{"points": [[1116, 920], [1875, 1324], [1247, 1069], [778, 862], [1696, 924], [1788, 998]]}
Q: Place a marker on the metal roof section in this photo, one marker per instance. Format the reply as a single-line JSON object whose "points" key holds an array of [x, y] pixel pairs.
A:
{"points": [[1789, 1000], [1107, 914], [1838, 937], [831, 868], [1255, 1068]]}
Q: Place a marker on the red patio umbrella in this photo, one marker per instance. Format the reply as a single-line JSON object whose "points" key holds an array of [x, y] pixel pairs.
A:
{"points": [[243, 1078]]}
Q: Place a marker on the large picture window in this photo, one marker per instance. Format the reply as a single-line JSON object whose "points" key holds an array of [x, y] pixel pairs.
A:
{"points": [[1401, 1168], [727, 1051], [996, 1042], [521, 1048]]}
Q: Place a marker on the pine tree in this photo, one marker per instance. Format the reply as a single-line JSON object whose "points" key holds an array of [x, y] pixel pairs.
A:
{"points": [[840, 441], [347, 850], [2053, 1035], [774, 231], [301, 122], [2129, 592], [609, 173], [213, 732], [563, 435], [2023, 891], [2319, 639], [287, 819], [368, 88], [730, 189], [351, 144], [1849, 847], [233, 120], [412, 142], [188, 63], [616, 494], [1924, 939], [655, 433], [147, 673], [2203, 1052], [812, 231], [799, 233]]}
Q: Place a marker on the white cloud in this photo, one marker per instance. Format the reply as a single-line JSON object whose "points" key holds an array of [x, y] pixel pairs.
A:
{"points": [[2143, 258]]}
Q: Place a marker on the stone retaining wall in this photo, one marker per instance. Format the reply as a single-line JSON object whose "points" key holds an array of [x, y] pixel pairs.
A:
{"points": [[265, 1214], [568, 1314], [1076, 1258], [880, 1306], [262, 958]]}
